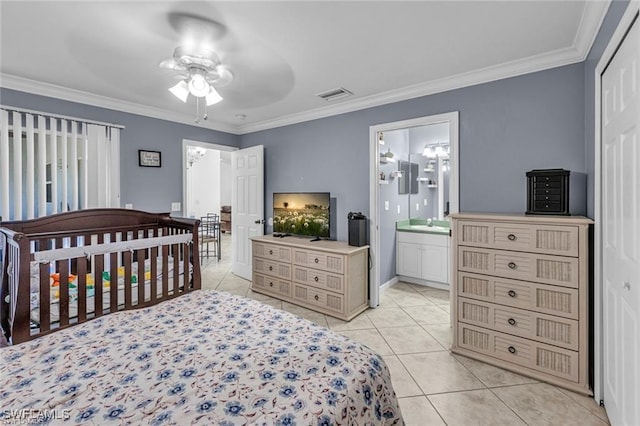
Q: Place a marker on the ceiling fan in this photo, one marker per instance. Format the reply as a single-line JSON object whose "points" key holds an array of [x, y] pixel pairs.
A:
{"points": [[200, 72]]}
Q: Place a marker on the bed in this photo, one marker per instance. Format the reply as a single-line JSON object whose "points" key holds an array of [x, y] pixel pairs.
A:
{"points": [[205, 357]]}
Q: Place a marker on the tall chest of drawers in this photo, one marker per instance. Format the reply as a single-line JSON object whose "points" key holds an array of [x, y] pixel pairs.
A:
{"points": [[520, 292], [330, 277]]}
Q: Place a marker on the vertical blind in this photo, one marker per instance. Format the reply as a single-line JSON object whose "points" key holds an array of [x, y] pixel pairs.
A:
{"points": [[52, 164]]}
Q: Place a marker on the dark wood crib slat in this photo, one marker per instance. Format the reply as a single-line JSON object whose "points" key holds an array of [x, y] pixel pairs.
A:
{"points": [[45, 297], [62, 266], [81, 281]]}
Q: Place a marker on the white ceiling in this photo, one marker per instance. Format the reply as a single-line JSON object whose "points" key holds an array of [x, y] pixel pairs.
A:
{"points": [[106, 53]]}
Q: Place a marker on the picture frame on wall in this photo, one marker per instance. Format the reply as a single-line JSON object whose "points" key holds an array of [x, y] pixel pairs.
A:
{"points": [[149, 158]]}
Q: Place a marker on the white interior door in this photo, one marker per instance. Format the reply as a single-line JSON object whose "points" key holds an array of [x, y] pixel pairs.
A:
{"points": [[247, 214], [620, 232]]}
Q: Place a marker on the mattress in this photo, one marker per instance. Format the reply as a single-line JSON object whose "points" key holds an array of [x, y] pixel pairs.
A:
{"points": [[203, 358], [138, 277]]}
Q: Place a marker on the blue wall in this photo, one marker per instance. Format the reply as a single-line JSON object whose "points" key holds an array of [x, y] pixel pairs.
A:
{"points": [[151, 189], [507, 127]]}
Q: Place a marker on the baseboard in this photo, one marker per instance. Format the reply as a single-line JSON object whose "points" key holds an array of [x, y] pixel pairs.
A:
{"points": [[389, 283], [418, 281]]}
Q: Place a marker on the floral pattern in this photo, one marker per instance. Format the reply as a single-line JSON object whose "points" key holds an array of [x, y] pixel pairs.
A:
{"points": [[203, 358]]}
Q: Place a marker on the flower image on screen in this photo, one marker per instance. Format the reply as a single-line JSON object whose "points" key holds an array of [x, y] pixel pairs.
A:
{"points": [[301, 213]]}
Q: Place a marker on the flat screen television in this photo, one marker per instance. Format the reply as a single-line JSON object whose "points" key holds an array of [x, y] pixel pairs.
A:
{"points": [[301, 213]]}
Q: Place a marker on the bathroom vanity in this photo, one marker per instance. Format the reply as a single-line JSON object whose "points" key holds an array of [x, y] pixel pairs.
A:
{"points": [[422, 252]]}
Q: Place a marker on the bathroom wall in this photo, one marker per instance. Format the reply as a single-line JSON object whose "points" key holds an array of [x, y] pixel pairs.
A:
{"points": [[398, 142]]}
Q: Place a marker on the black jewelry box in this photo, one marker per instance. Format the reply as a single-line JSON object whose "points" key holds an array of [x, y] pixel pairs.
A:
{"points": [[556, 192]]}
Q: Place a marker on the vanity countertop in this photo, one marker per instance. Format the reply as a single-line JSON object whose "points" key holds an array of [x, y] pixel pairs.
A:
{"points": [[421, 225]]}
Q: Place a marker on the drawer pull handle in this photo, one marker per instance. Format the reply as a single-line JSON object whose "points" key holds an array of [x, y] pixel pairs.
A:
{"points": [[316, 260], [512, 293], [270, 284], [511, 237], [316, 297], [315, 279], [511, 349], [271, 268], [511, 321], [270, 251], [512, 265]]}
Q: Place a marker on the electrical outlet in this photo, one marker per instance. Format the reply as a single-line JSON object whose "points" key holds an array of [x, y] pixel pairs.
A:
{"points": [[386, 206], [417, 206], [175, 207], [398, 208], [128, 206], [425, 201]]}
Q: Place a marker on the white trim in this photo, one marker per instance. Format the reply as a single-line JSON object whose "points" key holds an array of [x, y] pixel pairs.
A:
{"points": [[598, 387], [592, 16], [393, 281], [64, 117], [424, 283], [45, 89], [374, 185], [208, 145]]}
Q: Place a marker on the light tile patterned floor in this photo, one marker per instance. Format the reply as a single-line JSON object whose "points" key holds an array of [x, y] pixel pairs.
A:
{"points": [[410, 329]]}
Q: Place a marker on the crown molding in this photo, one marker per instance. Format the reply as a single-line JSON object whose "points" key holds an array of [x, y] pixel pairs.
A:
{"points": [[51, 90], [592, 17]]}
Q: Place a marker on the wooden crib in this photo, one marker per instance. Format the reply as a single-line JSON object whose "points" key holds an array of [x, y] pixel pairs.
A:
{"points": [[68, 268]]}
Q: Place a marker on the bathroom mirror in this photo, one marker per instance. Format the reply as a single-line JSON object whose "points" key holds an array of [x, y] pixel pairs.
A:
{"points": [[406, 183], [430, 199]]}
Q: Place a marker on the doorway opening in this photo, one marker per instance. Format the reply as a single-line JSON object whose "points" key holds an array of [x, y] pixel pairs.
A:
{"points": [[207, 190], [379, 159]]}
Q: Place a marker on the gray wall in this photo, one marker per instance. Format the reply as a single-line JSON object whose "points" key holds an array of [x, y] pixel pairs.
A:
{"points": [[611, 20], [151, 189], [507, 127]]}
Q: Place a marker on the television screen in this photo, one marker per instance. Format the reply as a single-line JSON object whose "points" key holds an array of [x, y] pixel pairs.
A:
{"points": [[301, 213]]}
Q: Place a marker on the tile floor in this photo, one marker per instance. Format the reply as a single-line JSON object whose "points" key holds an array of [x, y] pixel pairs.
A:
{"points": [[410, 329]]}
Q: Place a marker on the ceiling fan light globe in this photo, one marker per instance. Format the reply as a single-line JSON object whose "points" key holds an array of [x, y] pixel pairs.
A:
{"points": [[198, 86], [180, 91], [213, 97]]}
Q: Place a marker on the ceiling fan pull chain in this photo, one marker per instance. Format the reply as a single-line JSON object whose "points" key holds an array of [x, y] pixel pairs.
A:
{"points": [[197, 110]]}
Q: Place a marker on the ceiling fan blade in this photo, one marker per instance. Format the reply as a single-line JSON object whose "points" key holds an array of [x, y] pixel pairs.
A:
{"points": [[221, 77], [169, 64]]}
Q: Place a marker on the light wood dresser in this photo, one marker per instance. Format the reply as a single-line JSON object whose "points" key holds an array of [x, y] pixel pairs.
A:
{"points": [[520, 294], [326, 276]]}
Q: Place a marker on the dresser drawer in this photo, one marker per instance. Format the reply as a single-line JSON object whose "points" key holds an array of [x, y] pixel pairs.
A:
{"points": [[272, 252], [547, 239], [319, 260], [319, 279], [538, 356], [316, 297], [266, 284], [556, 270], [274, 269], [549, 299], [530, 325]]}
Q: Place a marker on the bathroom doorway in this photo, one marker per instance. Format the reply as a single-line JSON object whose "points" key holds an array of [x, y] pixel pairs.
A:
{"points": [[391, 175]]}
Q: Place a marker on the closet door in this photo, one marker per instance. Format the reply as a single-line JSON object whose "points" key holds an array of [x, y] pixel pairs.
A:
{"points": [[621, 230]]}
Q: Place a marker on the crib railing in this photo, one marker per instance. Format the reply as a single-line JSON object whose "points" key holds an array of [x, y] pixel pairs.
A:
{"points": [[99, 271]]}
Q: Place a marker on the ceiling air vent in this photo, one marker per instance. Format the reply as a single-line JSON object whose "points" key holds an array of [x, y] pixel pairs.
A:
{"points": [[334, 94]]}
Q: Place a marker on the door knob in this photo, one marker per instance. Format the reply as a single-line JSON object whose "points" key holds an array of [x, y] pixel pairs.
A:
{"points": [[259, 222], [626, 285]]}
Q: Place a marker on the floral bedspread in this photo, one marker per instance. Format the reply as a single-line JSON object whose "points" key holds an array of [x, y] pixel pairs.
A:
{"points": [[207, 358]]}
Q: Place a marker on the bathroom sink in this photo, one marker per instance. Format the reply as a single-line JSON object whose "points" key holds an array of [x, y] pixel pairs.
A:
{"points": [[428, 229]]}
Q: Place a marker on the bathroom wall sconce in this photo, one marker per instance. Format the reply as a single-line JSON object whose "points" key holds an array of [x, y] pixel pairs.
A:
{"points": [[436, 150], [395, 174], [380, 138]]}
